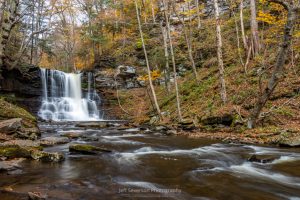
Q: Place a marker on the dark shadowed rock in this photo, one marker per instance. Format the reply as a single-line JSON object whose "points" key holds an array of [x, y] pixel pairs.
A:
{"points": [[263, 158], [87, 149]]}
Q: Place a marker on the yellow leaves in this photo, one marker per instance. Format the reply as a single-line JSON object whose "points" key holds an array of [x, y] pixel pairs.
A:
{"points": [[266, 17], [154, 75]]}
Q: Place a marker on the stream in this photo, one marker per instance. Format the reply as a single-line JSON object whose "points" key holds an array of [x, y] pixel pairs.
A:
{"points": [[149, 165]]}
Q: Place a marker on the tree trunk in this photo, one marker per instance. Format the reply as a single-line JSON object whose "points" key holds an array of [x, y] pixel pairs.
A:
{"points": [[173, 61], [147, 61], [242, 25], [198, 14], [220, 53], [254, 28], [167, 67], [278, 72]]}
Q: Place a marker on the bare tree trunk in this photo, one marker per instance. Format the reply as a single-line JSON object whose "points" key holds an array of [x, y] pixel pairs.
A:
{"points": [[242, 25], [220, 53], [167, 67], [254, 28], [198, 14], [147, 61], [173, 61], [152, 10], [278, 72]]}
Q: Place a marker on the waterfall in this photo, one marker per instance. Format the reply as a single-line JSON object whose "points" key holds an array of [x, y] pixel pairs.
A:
{"points": [[63, 99]]}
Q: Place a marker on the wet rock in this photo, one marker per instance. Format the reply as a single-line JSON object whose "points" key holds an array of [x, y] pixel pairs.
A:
{"points": [[23, 143], [10, 126], [51, 141], [187, 125], [263, 158], [290, 142], [161, 128], [14, 151], [87, 149], [72, 135], [47, 156], [28, 133], [37, 196], [11, 165], [92, 124], [171, 132]]}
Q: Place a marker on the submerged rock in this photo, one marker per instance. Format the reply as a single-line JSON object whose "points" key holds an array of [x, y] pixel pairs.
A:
{"points": [[51, 141], [87, 149]]}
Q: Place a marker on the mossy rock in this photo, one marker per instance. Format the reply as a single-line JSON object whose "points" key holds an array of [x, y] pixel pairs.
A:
{"points": [[9, 111], [46, 156], [87, 149], [14, 151]]}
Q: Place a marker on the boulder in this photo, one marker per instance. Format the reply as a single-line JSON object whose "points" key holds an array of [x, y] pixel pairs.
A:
{"points": [[87, 149], [51, 141], [290, 142], [10, 126]]}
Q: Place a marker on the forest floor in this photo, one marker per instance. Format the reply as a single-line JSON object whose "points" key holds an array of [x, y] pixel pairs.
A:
{"points": [[202, 107]]}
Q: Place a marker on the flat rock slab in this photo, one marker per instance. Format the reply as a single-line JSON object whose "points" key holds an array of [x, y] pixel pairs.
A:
{"points": [[52, 141], [11, 165], [23, 143], [72, 135], [10, 126], [87, 149]]}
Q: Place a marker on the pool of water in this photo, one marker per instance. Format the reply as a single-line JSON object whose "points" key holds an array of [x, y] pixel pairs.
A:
{"points": [[150, 165]]}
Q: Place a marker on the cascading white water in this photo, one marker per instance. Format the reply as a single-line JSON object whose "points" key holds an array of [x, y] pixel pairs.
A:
{"points": [[63, 99]]}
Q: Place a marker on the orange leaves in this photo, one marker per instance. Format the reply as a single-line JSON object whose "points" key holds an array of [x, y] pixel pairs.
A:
{"points": [[154, 76]]}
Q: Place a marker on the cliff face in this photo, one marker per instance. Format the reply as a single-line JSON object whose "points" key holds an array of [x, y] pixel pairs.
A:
{"points": [[23, 85]]}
